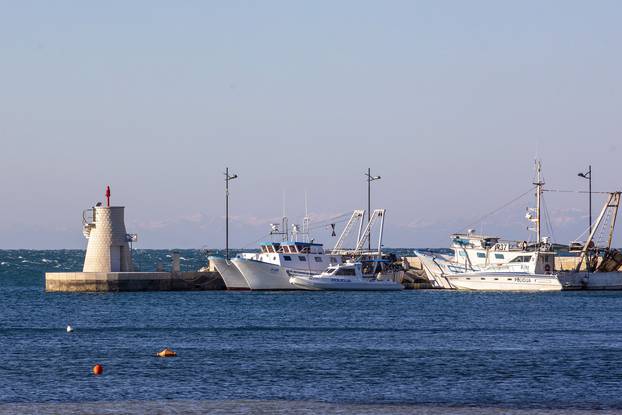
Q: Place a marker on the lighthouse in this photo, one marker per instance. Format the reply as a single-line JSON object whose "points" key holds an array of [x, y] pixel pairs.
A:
{"points": [[108, 248], [108, 261]]}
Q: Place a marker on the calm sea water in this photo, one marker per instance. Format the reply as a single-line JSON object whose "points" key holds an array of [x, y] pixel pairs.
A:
{"points": [[308, 352]]}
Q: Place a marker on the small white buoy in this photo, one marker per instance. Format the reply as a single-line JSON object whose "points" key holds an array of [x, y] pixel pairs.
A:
{"points": [[69, 329]]}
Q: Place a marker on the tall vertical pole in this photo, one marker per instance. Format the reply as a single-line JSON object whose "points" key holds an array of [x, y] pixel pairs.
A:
{"points": [[589, 256], [369, 205], [589, 172], [227, 178], [538, 184], [227, 213]]}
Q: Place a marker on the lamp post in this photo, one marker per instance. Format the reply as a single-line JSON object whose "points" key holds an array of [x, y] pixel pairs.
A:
{"points": [[370, 179], [227, 179], [588, 176]]}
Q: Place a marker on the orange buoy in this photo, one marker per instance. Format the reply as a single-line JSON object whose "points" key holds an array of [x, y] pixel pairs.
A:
{"points": [[166, 353], [98, 369]]}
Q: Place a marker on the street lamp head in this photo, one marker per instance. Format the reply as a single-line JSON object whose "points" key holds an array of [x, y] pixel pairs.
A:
{"points": [[235, 176], [376, 178], [582, 175]]}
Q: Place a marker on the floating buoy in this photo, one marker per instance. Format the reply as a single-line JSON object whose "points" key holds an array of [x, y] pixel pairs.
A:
{"points": [[98, 369], [69, 329], [166, 353]]}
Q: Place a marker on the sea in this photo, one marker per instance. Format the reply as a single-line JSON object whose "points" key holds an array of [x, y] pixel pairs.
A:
{"points": [[409, 352]]}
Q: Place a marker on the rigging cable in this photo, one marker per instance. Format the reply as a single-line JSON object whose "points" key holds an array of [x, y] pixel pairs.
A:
{"points": [[499, 208], [547, 216]]}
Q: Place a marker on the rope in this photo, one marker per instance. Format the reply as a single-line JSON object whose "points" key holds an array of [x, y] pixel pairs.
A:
{"points": [[263, 237], [574, 191], [548, 220], [498, 209], [320, 225], [337, 219], [600, 237]]}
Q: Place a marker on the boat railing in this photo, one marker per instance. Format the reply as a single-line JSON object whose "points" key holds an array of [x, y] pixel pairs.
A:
{"points": [[88, 216]]}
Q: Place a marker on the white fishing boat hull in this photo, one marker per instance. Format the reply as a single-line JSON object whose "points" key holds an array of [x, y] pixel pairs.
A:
{"points": [[499, 281], [591, 281], [231, 275], [433, 272], [343, 284], [263, 275]]}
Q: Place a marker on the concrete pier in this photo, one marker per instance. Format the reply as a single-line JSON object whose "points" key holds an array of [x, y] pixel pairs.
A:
{"points": [[132, 281]]}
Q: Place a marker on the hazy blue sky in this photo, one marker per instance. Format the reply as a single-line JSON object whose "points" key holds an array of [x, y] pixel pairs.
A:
{"points": [[449, 101]]}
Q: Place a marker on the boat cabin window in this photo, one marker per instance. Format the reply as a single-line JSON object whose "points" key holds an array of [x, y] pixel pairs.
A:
{"points": [[461, 253], [522, 258], [293, 249], [302, 258], [333, 260], [481, 255], [346, 271], [287, 257], [264, 249], [270, 249], [499, 256], [318, 259], [304, 249]]}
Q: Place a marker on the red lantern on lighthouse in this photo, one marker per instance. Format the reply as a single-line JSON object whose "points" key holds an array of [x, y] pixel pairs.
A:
{"points": [[108, 195]]}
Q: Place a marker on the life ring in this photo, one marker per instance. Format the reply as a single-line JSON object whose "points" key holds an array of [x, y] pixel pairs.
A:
{"points": [[547, 269], [523, 245]]}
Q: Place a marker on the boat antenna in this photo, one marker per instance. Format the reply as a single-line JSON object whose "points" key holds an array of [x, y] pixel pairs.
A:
{"points": [[284, 228], [538, 183], [306, 221]]}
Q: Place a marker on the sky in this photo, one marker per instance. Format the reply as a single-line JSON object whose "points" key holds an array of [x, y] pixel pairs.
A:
{"points": [[449, 102]]}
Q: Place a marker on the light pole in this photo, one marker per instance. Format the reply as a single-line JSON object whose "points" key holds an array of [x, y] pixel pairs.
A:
{"points": [[227, 179], [370, 179], [588, 176]]}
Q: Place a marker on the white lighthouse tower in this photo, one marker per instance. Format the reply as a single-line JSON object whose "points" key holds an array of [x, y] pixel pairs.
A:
{"points": [[108, 248]]}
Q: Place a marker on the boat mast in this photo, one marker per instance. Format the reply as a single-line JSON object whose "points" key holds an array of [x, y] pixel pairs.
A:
{"points": [[539, 183]]}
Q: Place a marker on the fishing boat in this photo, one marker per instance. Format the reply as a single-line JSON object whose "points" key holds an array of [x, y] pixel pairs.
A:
{"points": [[529, 271], [598, 265], [231, 275], [483, 262], [270, 268], [348, 277]]}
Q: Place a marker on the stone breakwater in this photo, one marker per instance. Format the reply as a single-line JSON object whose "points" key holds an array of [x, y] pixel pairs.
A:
{"points": [[132, 281]]}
